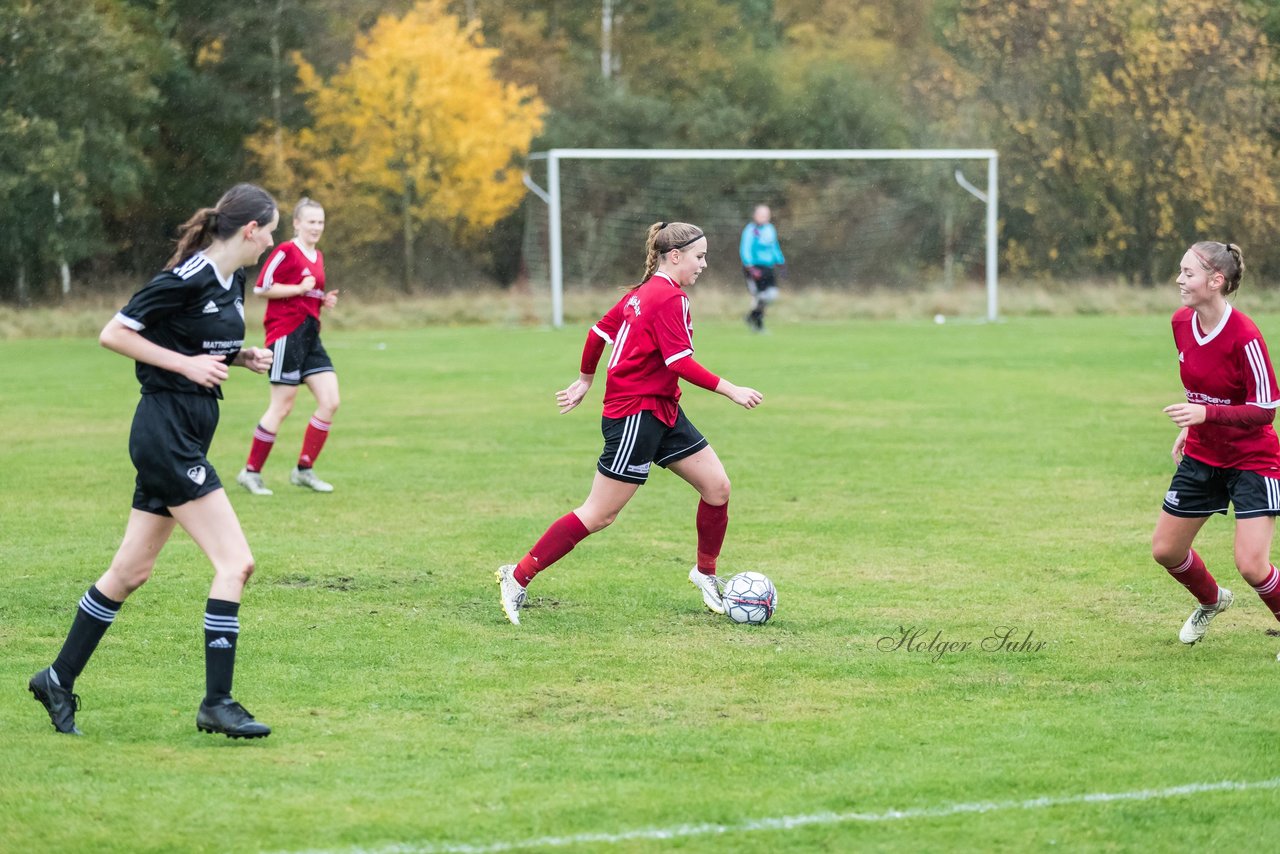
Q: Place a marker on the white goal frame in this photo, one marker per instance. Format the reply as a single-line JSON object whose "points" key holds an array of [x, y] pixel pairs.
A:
{"points": [[551, 195]]}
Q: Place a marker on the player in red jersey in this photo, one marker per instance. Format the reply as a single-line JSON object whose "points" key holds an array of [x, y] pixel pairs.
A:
{"points": [[652, 337], [292, 280], [1227, 451]]}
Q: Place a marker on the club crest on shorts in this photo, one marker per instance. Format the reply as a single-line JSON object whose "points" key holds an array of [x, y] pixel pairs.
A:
{"points": [[197, 475]]}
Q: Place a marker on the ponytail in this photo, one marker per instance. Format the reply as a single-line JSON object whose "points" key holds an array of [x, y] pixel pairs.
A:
{"points": [[664, 237], [193, 235], [239, 206]]}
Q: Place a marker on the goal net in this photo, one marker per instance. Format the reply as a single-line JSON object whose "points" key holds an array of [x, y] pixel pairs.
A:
{"points": [[851, 220]]}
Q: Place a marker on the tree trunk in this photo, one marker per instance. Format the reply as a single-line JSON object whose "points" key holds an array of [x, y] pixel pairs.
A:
{"points": [[24, 295], [407, 203], [277, 112], [606, 39]]}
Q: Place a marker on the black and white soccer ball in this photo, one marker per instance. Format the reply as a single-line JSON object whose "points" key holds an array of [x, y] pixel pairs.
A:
{"points": [[750, 597]]}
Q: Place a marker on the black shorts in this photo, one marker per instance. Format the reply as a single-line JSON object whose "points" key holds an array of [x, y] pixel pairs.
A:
{"points": [[1199, 489], [168, 444], [299, 354], [766, 287], [633, 443]]}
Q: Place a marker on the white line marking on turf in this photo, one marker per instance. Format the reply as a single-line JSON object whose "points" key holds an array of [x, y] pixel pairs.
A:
{"points": [[681, 831]]}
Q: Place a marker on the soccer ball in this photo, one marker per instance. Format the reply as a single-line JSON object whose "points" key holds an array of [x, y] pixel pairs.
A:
{"points": [[750, 597]]}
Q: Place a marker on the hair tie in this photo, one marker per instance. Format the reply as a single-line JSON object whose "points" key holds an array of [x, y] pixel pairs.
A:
{"points": [[212, 218], [661, 226]]}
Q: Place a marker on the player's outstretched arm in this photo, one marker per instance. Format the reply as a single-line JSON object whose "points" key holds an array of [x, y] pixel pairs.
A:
{"points": [[747, 398], [567, 399], [690, 371]]}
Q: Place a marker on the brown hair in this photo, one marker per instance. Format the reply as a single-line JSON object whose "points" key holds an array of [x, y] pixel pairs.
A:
{"points": [[305, 202], [662, 238], [239, 206], [1224, 258]]}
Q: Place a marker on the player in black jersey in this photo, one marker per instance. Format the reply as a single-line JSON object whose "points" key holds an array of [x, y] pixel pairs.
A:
{"points": [[184, 329]]}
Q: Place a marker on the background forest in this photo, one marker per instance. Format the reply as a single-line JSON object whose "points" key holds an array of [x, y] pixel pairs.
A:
{"points": [[1126, 129]]}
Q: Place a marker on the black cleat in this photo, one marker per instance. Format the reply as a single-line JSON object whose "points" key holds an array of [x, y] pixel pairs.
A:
{"points": [[231, 719], [60, 703]]}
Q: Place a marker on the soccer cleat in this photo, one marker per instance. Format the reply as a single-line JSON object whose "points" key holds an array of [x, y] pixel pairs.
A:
{"points": [[710, 587], [252, 481], [231, 719], [307, 478], [60, 703], [513, 595], [1198, 623]]}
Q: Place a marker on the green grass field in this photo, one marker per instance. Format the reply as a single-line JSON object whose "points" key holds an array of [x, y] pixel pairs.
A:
{"points": [[951, 480]]}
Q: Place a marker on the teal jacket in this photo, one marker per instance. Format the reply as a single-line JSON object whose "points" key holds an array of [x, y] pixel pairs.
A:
{"points": [[760, 247]]}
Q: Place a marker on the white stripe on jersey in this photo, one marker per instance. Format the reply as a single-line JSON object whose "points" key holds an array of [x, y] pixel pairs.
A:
{"points": [[678, 356], [630, 430], [268, 275], [1261, 381], [195, 264], [597, 330], [130, 322], [618, 345], [191, 266]]}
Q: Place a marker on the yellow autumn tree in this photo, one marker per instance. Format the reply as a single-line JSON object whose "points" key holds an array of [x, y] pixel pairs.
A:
{"points": [[1127, 129], [415, 130]]}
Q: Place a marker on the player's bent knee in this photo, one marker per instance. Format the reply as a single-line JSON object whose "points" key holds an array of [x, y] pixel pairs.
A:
{"points": [[131, 578], [238, 572], [1166, 554], [718, 493]]}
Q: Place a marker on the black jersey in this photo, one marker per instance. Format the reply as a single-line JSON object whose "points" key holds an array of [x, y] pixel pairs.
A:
{"points": [[191, 310]]}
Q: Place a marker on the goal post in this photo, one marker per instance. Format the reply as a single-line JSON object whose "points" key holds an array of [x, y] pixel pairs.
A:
{"points": [[551, 195]]}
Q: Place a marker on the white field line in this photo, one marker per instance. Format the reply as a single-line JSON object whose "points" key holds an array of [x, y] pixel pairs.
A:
{"points": [[682, 831]]}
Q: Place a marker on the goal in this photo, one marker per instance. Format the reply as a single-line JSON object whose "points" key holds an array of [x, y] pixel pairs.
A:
{"points": [[848, 219]]}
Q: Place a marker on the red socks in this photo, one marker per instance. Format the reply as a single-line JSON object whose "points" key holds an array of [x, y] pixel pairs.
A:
{"points": [[564, 533], [1193, 576], [263, 442], [313, 441], [1269, 592], [567, 531], [712, 522]]}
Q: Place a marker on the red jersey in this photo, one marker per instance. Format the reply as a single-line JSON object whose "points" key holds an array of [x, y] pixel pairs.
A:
{"points": [[650, 329], [1227, 366], [289, 264]]}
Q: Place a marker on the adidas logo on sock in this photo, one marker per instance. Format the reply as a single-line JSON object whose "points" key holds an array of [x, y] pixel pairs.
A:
{"points": [[210, 308], [219, 643]]}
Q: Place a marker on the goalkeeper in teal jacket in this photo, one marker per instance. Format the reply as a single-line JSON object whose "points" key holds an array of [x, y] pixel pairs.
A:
{"points": [[762, 262]]}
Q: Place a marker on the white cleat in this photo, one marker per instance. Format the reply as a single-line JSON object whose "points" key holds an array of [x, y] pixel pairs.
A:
{"points": [[513, 595], [1198, 623], [252, 481], [710, 587], [308, 479]]}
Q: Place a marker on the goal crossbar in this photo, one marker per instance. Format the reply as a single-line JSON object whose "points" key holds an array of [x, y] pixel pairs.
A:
{"points": [[551, 195]]}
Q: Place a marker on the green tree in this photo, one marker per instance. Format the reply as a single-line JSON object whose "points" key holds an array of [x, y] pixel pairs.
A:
{"points": [[416, 124], [1126, 130], [75, 88]]}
